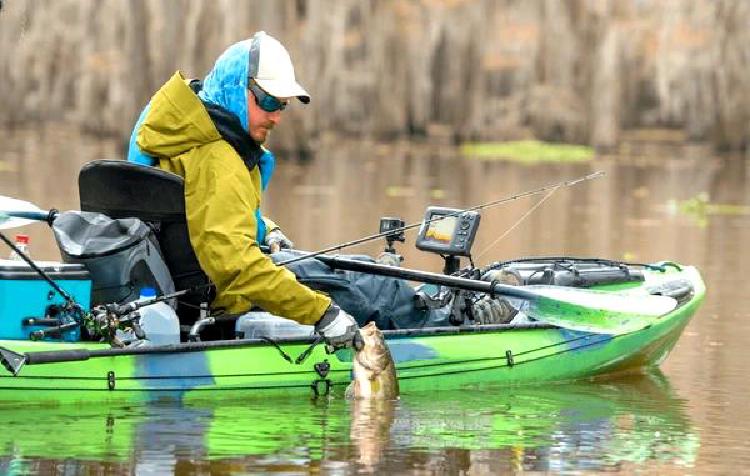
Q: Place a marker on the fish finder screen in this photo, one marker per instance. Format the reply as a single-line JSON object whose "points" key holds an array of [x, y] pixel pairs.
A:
{"points": [[441, 231]]}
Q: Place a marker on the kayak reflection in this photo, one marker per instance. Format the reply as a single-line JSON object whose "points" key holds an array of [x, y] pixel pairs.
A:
{"points": [[638, 421], [580, 426]]}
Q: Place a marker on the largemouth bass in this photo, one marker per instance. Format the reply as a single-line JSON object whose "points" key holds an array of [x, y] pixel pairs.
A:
{"points": [[374, 369]]}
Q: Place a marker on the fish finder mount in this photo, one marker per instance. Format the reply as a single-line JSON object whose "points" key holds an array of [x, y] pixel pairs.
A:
{"points": [[392, 229], [449, 232], [392, 223]]}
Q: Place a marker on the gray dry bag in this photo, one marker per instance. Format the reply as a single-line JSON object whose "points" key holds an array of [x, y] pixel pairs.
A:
{"points": [[121, 255]]}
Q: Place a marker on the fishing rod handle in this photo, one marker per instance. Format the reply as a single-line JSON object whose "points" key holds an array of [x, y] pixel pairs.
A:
{"points": [[425, 277], [120, 310], [45, 357]]}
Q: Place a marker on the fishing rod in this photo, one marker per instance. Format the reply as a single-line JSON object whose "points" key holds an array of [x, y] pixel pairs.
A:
{"points": [[41, 215], [392, 231], [49, 216]]}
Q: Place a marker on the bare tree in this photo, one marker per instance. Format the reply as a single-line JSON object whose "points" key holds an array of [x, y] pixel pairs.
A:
{"points": [[581, 70]]}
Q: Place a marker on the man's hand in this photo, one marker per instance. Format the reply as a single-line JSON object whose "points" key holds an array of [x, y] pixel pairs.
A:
{"points": [[338, 328], [389, 259], [276, 240], [493, 311]]}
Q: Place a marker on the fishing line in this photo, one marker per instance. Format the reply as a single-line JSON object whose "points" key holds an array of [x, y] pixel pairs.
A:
{"points": [[517, 223], [554, 186]]}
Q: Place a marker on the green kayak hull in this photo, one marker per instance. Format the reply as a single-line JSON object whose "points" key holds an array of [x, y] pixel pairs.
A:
{"points": [[427, 359]]}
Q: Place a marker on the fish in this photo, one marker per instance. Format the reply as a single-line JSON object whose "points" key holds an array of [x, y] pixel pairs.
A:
{"points": [[374, 369]]}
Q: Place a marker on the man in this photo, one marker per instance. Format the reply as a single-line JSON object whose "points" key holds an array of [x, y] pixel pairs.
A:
{"points": [[211, 134]]}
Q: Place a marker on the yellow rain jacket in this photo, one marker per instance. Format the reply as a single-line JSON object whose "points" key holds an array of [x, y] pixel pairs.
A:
{"points": [[220, 197]]}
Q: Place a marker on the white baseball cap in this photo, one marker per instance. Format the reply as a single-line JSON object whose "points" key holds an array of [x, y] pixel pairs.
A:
{"points": [[271, 67]]}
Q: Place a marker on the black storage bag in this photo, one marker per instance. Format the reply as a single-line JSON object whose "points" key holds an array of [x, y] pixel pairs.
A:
{"points": [[121, 255]]}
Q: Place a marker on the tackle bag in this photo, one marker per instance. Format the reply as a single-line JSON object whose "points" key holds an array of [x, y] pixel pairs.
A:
{"points": [[122, 256]]}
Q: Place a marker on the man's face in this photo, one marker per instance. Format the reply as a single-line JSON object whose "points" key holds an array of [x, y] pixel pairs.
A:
{"points": [[260, 122]]}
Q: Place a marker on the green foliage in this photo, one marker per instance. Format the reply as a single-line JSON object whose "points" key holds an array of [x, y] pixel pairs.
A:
{"points": [[699, 208], [527, 151]]}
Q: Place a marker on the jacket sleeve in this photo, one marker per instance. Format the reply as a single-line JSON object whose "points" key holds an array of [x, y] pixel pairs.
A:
{"points": [[220, 195], [270, 225]]}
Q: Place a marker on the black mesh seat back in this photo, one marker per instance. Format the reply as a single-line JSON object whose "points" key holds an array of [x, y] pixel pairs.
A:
{"points": [[122, 189]]}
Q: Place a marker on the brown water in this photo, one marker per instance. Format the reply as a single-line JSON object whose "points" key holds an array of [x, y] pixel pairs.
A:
{"points": [[692, 419]]}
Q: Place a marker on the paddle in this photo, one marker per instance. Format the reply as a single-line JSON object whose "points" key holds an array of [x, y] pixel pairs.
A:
{"points": [[15, 213], [571, 308]]}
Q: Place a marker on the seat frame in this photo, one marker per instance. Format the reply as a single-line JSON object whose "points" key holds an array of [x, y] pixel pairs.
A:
{"points": [[121, 189]]}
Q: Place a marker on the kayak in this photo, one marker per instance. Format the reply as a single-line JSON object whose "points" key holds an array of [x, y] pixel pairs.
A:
{"points": [[578, 318], [523, 352]]}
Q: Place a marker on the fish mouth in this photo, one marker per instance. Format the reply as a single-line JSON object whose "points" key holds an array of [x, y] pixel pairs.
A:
{"points": [[370, 330]]}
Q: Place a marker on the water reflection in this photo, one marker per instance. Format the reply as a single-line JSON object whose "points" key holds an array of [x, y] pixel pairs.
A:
{"points": [[371, 426], [338, 196], [625, 423]]}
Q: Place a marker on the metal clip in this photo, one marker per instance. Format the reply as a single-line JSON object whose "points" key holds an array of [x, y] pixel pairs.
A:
{"points": [[322, 369], [509, 358]]}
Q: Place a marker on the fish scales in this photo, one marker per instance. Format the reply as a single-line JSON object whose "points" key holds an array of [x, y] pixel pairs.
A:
{"points": [[374, 369]]}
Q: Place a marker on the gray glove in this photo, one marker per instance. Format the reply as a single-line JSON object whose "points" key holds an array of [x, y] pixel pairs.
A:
{"points": [[493, 311], [339, 329], [276, 240], [504, 276]]}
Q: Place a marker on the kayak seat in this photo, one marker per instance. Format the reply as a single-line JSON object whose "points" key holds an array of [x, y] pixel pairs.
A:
{"points": [[122, 189]]}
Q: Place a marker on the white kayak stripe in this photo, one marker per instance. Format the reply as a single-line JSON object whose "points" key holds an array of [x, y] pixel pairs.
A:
{"points": [[6, 222], [8, 204], [644, 305]]}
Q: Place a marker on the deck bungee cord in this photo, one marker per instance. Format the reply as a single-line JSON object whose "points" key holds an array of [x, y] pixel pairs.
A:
{"points": [[506, 360]]}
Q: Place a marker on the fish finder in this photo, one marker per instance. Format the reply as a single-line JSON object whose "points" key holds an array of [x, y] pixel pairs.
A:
{"points": [[448, 231]]}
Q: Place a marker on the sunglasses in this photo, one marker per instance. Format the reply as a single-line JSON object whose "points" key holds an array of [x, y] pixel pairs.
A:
{"points": [[266, 102]]}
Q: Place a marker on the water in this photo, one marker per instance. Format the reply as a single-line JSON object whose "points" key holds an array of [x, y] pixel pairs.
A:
{"points": [[690, 419], [628, 423]]}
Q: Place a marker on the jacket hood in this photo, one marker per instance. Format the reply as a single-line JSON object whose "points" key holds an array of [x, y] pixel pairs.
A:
{"points": [[226, 84], [176, 121]]}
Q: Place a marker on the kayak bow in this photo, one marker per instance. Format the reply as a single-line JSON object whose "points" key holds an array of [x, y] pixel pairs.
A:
{"points": [[572, 308]]}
